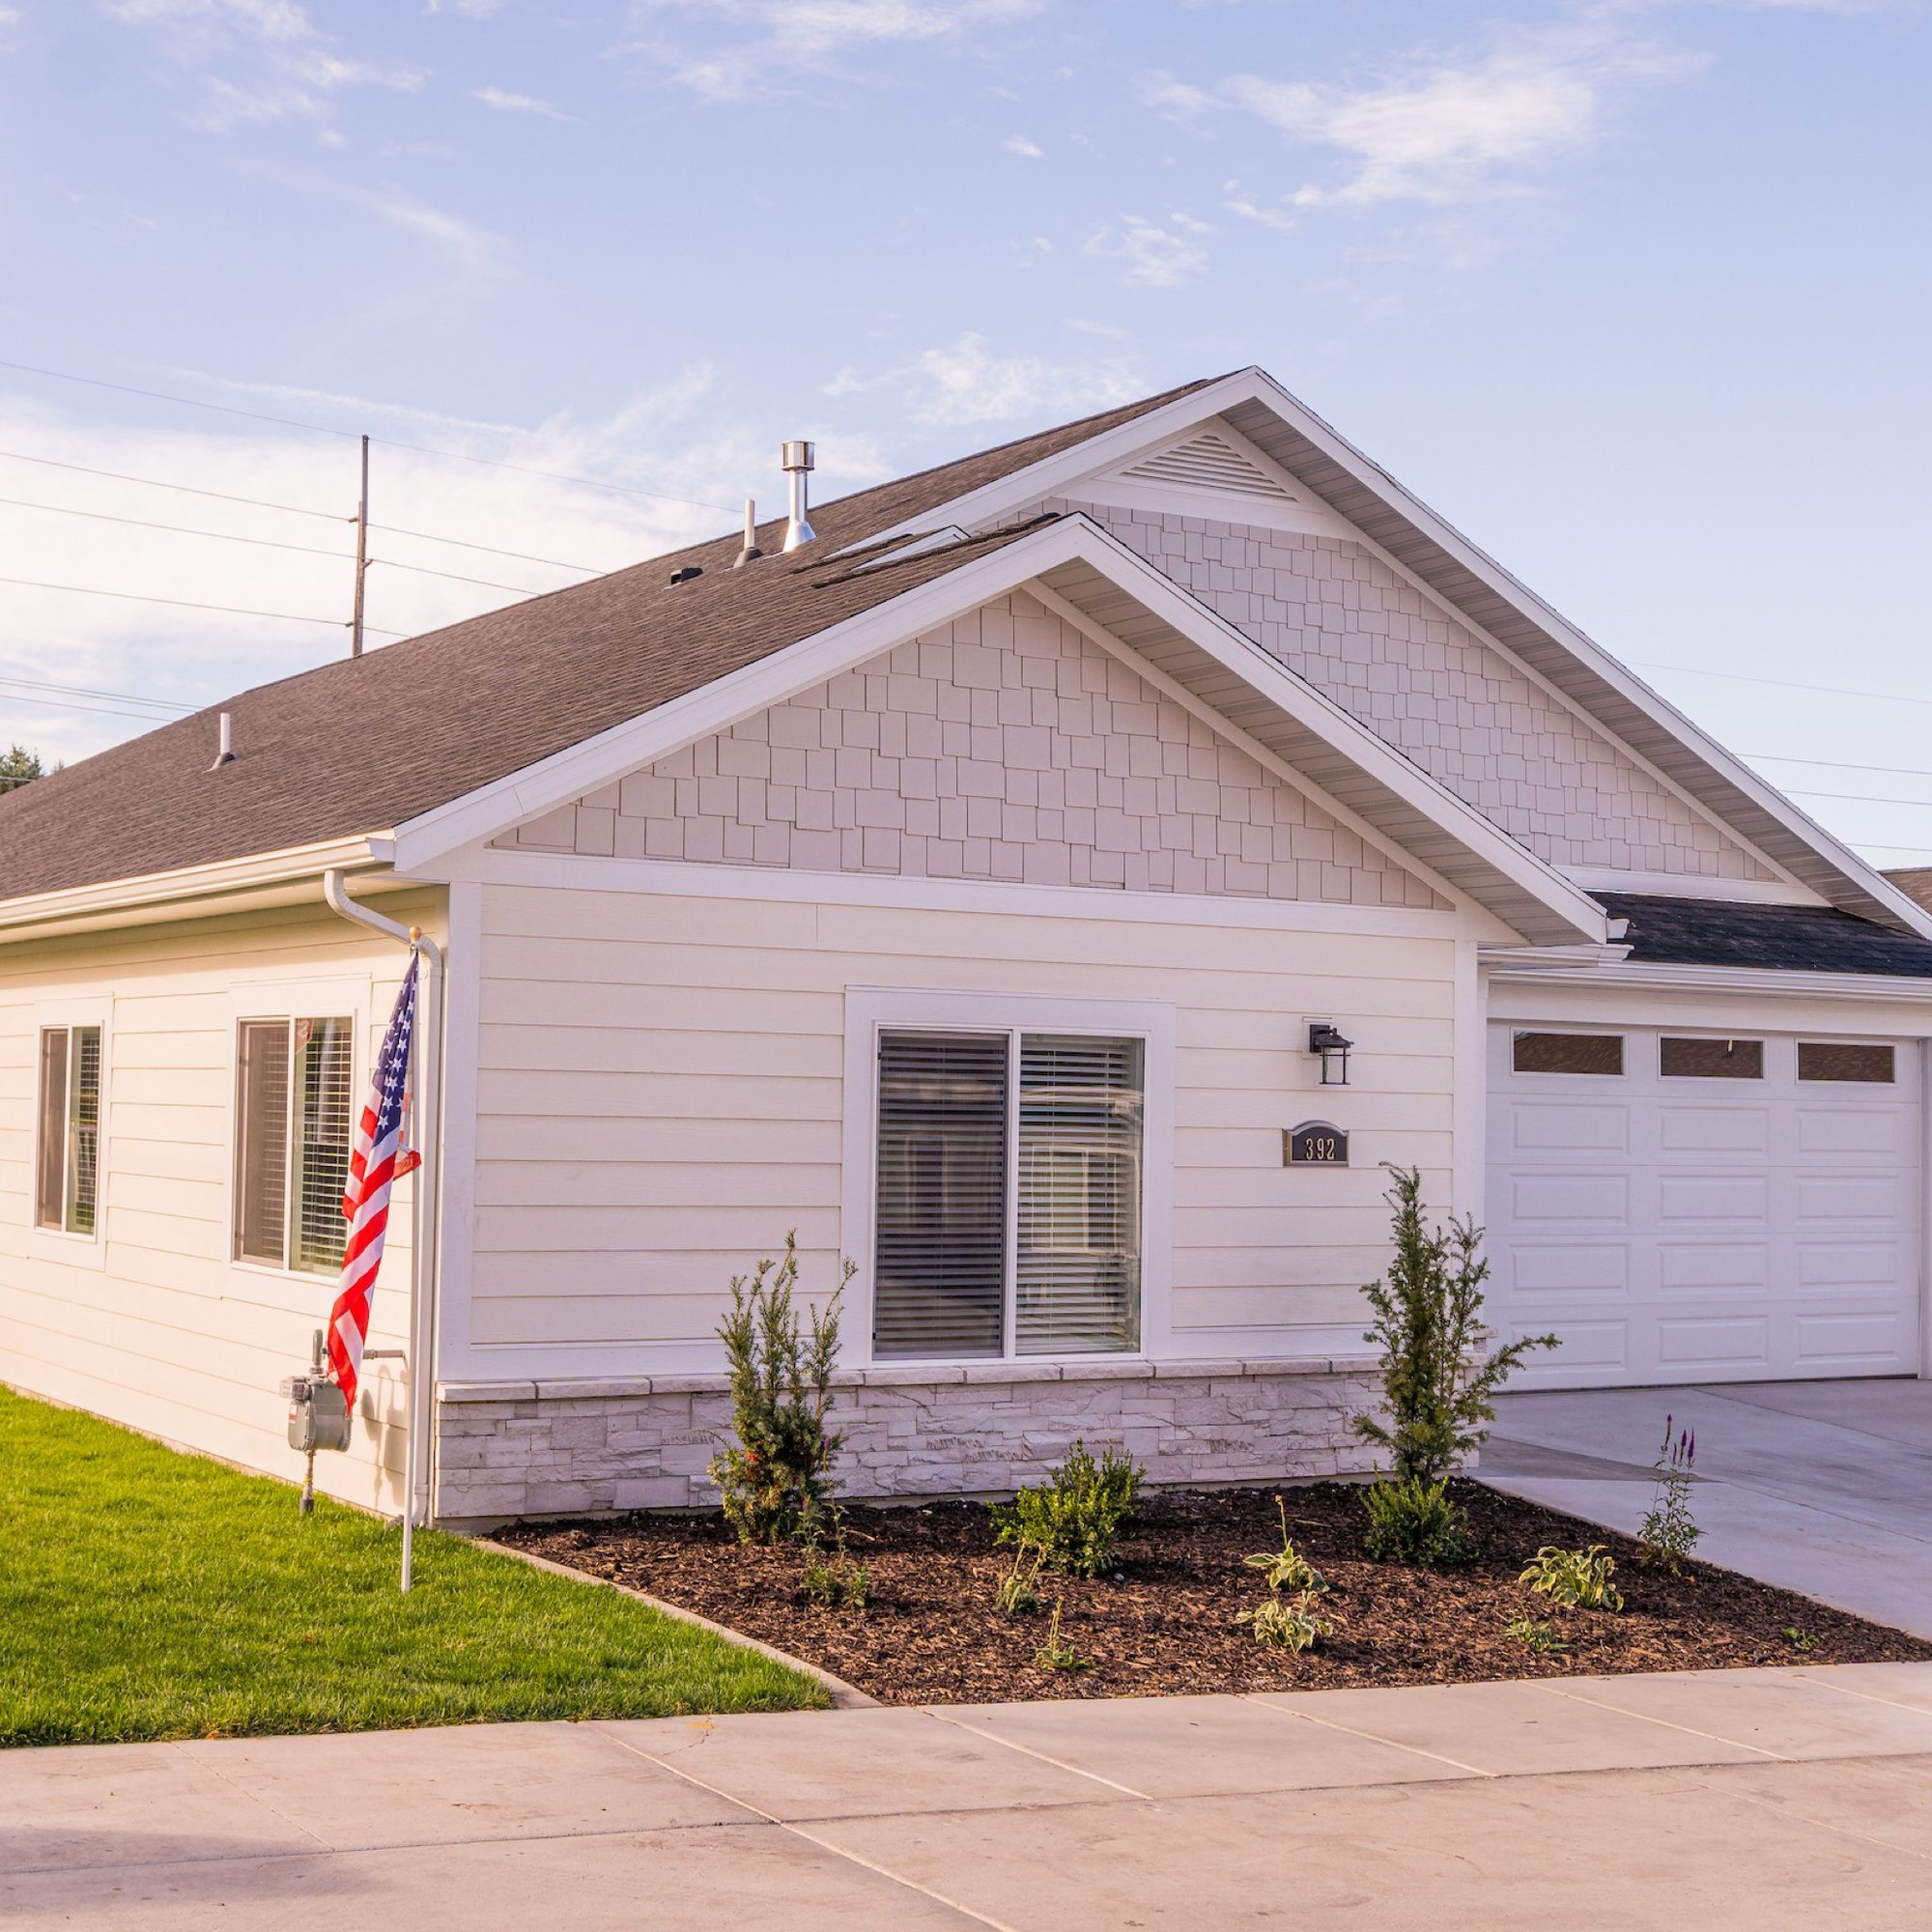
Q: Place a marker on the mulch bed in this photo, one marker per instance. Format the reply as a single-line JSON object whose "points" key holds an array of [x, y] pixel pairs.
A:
{"points": [[930, 1631]]}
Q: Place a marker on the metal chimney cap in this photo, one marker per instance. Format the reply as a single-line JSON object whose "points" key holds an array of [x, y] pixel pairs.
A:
{"points": [[796, 456]]}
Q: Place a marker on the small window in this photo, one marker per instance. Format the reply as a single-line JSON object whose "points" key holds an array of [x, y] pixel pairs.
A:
{"points": [[291, 1138], [67, 1190], [1834, 1059], [1008, 1195], [1710, 1059], [1569, 1053]]}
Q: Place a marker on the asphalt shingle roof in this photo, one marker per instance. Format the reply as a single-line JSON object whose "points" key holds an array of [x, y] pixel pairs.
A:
{"points": [[367, 743], [1774, 938]]}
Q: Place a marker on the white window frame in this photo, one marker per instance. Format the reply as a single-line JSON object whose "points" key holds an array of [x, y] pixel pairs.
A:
{"points": [[62, 1244], [286, 1002], [870, 1010]]}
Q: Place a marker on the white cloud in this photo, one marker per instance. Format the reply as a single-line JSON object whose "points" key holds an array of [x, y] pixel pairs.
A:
{"points": [[1018, 144], [656, 442], [1151, 256], [507, 103], [753, 43], [251, 61], [1444, 131], [474, 252], [964, 383]]}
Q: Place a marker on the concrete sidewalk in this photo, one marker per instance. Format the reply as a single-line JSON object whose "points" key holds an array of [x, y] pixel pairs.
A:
{"points": [[1824, 1488], [1749, 1798]]}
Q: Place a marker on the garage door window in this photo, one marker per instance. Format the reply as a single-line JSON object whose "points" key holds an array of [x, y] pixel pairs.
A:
{"points": [[1710, 1059], [1598, 1053], [1836, 1060]]}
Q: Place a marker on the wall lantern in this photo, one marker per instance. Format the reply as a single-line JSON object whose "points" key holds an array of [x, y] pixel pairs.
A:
{"points": [[1325, 1039]]}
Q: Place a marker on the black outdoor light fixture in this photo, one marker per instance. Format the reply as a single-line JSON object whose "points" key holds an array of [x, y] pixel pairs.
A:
{"points": [[1327, 1038]]}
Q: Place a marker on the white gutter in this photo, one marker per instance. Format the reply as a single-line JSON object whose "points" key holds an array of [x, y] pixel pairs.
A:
{"points": [[420, 1451], [1771, 982]]}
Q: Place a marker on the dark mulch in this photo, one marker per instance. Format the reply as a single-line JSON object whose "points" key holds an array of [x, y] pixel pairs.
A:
{"points": [[930, 1631]]}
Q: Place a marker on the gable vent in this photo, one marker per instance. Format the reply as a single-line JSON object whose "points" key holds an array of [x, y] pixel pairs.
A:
{"points": [[1210, 462]]}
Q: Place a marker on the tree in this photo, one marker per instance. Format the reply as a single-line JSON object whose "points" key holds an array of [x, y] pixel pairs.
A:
{"points": [[19, 766]]}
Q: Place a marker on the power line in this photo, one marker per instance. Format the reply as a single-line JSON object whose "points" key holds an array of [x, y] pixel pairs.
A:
{"points": [[388, 443], [522, 556], [188, 604], [1840, 765], [1860, 797], [424, 570], [1782, 684], [186, 489], [71, 704], [85, 691]]}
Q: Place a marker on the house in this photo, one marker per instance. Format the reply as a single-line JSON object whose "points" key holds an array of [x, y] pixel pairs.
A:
{"points": [[1062, 885]]}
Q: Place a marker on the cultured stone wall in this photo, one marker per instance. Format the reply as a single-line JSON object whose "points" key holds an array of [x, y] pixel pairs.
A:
{"points": [[588, 1447]]}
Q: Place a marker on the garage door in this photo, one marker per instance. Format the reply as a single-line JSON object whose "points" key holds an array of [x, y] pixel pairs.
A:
{"points": [[1682, 1206]]}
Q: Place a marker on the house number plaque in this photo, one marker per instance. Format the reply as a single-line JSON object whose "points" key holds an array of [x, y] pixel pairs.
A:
{"points": [[1314, 1144]]}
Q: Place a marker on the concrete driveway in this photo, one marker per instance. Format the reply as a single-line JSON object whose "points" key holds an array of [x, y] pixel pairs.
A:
{"points": [[1824, 1488], [1759, 1799]]}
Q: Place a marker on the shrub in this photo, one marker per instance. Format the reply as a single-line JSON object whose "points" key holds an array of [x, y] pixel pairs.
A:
{"points": [[1669, 1529], [1415, 1521], [1287, 1568], [777, 1482], [831, 1578], [1574, 1578], [1437, 1378], [1535, 1636], [1289, 1621], [1014, 1593], [1074, 1519]]}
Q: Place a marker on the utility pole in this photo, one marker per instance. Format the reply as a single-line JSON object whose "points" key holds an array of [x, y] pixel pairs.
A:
{"points": [[361, 555]]}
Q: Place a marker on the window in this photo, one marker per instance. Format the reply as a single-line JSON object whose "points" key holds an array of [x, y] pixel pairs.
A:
{"points": [[1010, 1194], [1834, 1059], [292, 1143], [67, 1191], [1569, 1053], [1710, 1059]]}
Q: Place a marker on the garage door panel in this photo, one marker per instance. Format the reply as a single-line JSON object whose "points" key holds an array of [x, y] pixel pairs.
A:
{"points": [[1712, 1197], [1664, 1231]]}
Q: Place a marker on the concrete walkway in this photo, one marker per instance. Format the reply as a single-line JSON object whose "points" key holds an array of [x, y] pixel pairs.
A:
{"points": [[1761, 1799], [1824, 1488]]}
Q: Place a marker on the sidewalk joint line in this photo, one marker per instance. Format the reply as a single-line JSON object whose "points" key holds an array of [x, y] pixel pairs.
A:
{"points": [[1689, 1730], [1370, 1737], [1026, 1751]]}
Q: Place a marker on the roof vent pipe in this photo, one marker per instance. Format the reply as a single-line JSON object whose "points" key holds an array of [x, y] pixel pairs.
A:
{"points": [[795, 459], [751, 552], [225, 754]]}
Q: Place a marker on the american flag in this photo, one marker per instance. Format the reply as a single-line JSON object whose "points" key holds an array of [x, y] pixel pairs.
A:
{"points": [[379, 1156]]}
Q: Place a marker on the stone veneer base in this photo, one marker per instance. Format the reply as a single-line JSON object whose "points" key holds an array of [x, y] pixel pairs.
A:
{"points": [[588, 1447]]}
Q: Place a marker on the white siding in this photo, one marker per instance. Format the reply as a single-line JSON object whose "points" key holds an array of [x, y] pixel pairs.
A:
{"points": [[660, 1097], [155, 1326]]}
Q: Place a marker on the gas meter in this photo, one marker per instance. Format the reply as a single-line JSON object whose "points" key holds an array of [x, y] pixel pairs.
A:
{"points": [[318, 1409]]}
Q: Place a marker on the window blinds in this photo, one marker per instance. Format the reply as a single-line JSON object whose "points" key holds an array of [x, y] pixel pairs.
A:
{"points": [[47, 1182], [320, 1168], [83, 1130], [939, 1275], [262, 1142], [1077, 1284]]}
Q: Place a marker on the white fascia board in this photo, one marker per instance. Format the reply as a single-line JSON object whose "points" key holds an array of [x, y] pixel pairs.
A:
{"points": [[1050, 475], [425, 845], [1767, 983], [1693, 885], [128, 901]]}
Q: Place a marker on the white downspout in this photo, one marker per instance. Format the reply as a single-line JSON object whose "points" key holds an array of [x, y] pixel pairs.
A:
{"points": [[420, 1447]]}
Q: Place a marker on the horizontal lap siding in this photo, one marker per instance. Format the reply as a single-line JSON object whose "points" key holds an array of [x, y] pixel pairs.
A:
{"points": [[167, 1334], [661, 1097]]}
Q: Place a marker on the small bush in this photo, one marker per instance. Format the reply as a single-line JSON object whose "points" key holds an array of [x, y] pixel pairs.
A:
{"points": [[1438, 1370], [1014, 1592], [831, 1577], [778, 1480], [1415, 1521], [1289, 1623], [1054, 1655], [1574, 1578], [1287, 1568], [1669, 1529], [1535, 1636], [1074, 1519]]}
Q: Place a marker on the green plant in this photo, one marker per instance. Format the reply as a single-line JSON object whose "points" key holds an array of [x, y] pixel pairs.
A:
{"points": [[1053, 1655], [1574, 1578], [1798, 1639], [832, 1579], [1437, 1372], [1014, 1592], [1287, 1568], [1669, 1530], [777, 1477], [1415, 1521], [1289, 1621], [1074, 1519], [1535, 1636]]}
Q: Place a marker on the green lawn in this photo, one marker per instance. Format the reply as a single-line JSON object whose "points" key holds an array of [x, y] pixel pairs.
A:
{"points": [[144, 1593]]}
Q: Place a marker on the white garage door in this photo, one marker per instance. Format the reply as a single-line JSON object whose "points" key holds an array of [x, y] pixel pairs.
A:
{"points": [[1680, 1207]]}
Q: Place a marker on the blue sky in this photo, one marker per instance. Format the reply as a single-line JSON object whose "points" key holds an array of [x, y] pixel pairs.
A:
{"points": [[1636, 294]]}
